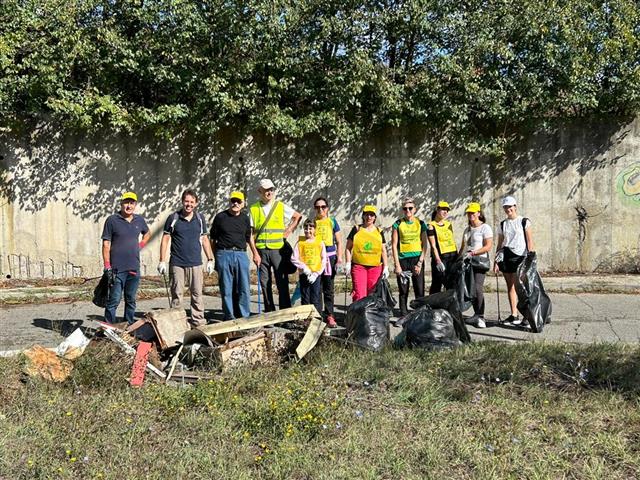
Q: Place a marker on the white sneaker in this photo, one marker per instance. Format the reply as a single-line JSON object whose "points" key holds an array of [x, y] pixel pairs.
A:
{"points": [[480, 323]]}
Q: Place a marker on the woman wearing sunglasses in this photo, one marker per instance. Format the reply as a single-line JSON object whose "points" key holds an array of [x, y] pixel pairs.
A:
{"points": [[444, 252], [409, 247], [366, 251], [328, 230]]}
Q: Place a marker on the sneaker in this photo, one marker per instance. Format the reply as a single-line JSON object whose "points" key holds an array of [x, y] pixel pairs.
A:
{"points": [[480, 323], [331, 322], [513, 320]]}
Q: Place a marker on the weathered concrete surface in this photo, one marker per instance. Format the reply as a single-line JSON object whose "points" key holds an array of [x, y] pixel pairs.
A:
{"points": [[580, 185], [582, 318]]}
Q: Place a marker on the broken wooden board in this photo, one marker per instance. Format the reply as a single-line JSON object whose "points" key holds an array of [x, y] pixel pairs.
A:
{"points": [[140, 364], [310, 339], [249, 350], [171, 324], [113, 336], [293, 314], [44, 363]]}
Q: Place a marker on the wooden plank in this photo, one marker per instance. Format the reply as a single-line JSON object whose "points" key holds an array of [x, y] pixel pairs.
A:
{"points": [[293, 314], [174, 362], [171, 324], [139, 364], [249, 350], [314, 332], [113, 336]]}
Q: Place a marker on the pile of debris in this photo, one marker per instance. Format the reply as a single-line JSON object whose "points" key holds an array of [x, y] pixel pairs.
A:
{"points": [[165, 344]]}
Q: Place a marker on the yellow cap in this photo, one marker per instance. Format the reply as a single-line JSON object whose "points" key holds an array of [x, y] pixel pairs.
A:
{"points": [[473, 207], [443, 204], [129, 196], [238, 195], [370, 208]]}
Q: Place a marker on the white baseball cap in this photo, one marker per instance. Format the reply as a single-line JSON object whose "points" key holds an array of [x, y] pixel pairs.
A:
{"points": [[266, 184], [508, 201]]}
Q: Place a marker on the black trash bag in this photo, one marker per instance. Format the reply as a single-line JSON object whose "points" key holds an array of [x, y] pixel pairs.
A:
{"points": [[533, 302], [460, 278], [367, 320], [431, 329], [103, 289], [447, 301], [145, 332]]}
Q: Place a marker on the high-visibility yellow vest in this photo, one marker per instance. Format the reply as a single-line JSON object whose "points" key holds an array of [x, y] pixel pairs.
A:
{"points": [[410, 236], [367, 247], [444, 234], [324, 230], [272, 236], [311, 253]]}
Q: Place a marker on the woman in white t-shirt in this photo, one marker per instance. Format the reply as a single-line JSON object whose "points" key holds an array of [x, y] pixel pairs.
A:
{"points": [[477, 241], [514, 241]]}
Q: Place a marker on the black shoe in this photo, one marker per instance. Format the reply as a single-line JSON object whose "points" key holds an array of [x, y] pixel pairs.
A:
{"points": [[512, 320]]}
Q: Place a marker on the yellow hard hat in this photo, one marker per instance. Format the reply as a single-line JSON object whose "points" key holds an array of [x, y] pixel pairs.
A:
{"points": [[370, 209], [129, 196], [473, 207]]}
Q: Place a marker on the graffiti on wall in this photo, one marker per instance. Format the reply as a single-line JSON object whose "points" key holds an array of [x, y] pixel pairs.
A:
{"points": [[628, 184]]}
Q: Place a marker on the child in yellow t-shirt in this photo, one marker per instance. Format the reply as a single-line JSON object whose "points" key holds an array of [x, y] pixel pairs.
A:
{"points": [[310, 256]]}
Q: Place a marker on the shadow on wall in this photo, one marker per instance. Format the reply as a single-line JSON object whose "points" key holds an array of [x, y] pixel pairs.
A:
{"points": [[88, 173]]}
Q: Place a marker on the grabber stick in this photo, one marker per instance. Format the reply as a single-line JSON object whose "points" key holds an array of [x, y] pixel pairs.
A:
{"points": [[166, 286], [259, 302], [498, 298]]}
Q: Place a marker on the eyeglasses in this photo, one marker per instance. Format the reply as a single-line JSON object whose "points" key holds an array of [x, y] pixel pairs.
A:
{"points": [[407, 209], [321, 207], [269, 190], [235, 201], [369, 214], [444, 209], [507, 207]]}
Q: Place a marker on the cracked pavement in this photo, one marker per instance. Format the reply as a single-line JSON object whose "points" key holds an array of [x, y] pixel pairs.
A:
{"points": [[582, 318]]}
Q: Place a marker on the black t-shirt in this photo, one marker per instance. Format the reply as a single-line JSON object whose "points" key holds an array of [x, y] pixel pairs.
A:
{"points": [[230, 231]]}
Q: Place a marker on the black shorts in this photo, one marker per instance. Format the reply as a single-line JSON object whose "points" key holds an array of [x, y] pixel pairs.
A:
{"points": [[511, 261]]}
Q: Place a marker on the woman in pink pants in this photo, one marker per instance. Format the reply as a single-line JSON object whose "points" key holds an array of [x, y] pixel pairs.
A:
{"points": [[366, 255]]}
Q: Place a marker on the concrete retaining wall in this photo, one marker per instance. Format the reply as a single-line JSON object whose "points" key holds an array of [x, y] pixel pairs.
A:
{"points": [[579, 184]]}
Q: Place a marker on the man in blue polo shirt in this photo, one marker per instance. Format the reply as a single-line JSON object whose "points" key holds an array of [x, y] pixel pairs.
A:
{"points": [[123, 235], [187, 231]]}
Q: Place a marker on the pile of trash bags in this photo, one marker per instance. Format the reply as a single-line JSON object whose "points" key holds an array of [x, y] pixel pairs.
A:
{"points": [[460, 279], [367, 320], [436, 322], [533, 302]]}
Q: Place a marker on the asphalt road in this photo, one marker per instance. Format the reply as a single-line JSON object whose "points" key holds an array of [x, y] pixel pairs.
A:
{"points": [[582, 318]]}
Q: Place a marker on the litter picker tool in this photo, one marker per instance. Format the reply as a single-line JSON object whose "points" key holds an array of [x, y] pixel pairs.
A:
{"points": [[259, 302], [166, 286], [498, 298]]}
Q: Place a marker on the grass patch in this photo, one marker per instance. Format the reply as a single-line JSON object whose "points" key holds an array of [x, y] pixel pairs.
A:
{"points": [[485, 411]]}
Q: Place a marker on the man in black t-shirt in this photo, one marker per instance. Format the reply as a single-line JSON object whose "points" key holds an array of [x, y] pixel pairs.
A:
{"points": [[230, 233]]}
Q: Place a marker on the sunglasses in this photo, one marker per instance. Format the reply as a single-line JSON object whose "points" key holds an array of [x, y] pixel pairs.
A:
{"points": [[235, 201], [407, 209], [268, 190], [320, 207], [444, 209]]}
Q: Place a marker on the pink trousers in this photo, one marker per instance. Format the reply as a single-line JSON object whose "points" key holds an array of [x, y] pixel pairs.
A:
{"points": [[364, 280]]}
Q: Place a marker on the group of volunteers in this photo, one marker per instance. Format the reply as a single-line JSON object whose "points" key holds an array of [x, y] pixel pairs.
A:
{"points": [[316, 256]]}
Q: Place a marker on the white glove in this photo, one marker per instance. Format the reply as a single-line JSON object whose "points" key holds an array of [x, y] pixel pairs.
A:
{"points": [[162, 268], [385, 273], [440, 266], [210, 267], [306, 270], [312, 277], [468, 254], [499, 256], [347, 268]]}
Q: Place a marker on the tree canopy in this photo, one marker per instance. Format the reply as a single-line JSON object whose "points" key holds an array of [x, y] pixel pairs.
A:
{"points": [[469, 71]]}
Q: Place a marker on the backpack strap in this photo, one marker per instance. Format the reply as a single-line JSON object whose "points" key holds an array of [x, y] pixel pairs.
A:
{"points": [[173, 222], [266, 220]]}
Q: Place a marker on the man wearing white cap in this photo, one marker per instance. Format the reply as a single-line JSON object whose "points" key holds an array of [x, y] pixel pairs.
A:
{"points": [[230, 233], [123, 235], [272, 221], [186, 230], [514, 241]]}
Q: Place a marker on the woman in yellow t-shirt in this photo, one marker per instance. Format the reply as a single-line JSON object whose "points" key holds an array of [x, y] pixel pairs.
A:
{"points": [[366, 255]]}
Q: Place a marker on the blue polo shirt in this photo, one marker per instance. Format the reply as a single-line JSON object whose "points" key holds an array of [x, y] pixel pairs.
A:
{"points": [[185, 239], [124, 237]]}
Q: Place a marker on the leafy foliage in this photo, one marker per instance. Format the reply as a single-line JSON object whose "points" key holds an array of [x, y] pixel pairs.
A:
{"points": [[470, 73]]}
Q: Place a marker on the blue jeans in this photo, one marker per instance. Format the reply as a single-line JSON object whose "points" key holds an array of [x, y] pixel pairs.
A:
{"points": [[233, 276], [127, 282]]}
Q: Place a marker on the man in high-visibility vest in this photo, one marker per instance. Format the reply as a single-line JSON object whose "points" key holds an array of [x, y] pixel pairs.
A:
{"points": [[271, 221]]}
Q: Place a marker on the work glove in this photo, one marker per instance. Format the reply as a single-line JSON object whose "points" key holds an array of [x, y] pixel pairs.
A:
{"points": [[440, 266], [307, 271], [210, 267], [162, 268], [109, 271], [499, 256], [347, 268], [312, 277], [467, 255], [385, 273]]}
